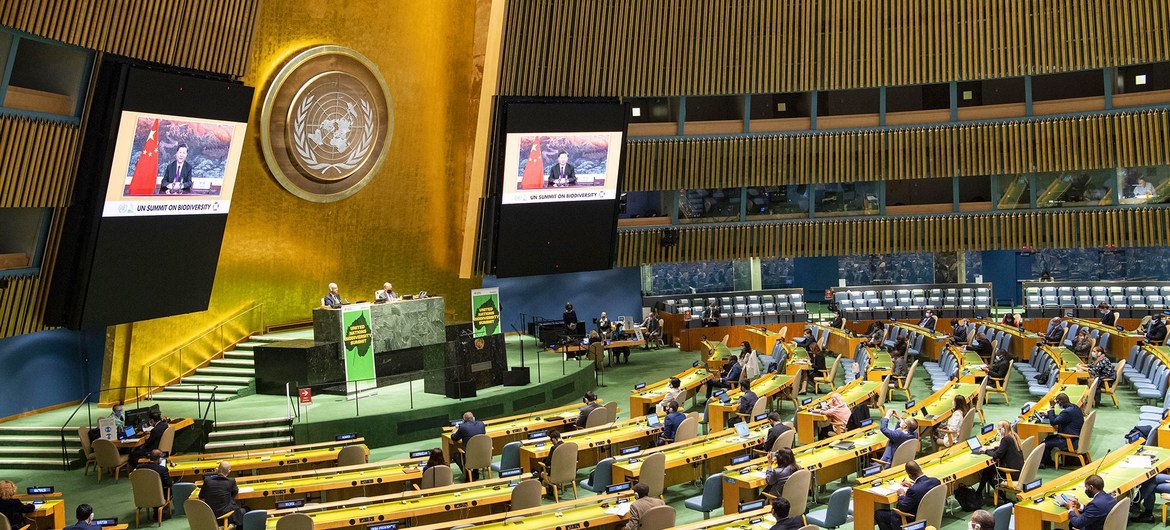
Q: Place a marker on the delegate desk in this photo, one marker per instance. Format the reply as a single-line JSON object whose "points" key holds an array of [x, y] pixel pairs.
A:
{"points": [[766, 387], [377, 478], [759, 519], [1120, 342], [576, 350], [955, 465], [1066, 363], [714, 355], [933, 342], [1163, 430], [514, 428], [856, 392], [972, 368], [685, 460], [1027, 427], [1122, 469], [840, 342], [937, 408], [596, 512], [763, 339], [594, 444], [215, 457], [177, 424], [1022, 343], [643, 400], [880, 365], [442, 505], [828, 460], [49, 514], [264, 462]]}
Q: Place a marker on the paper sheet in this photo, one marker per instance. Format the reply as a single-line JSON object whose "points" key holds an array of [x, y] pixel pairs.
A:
{"points": [[619, 510]]}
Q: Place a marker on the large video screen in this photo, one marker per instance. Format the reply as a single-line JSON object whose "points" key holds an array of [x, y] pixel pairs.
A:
{"points": [[558, 166], [173, 165], [150, 204]]}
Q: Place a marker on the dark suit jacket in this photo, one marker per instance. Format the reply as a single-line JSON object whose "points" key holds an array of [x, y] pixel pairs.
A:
{"points": [[1007, 454], [14, 510], [959, 333], [1093, 514], [929, 322], [331, 300], [897, 437], [909, 502], [1069, 421], [747, 400], [155, 437], [982, 347], [82, 525], [172, 175], [670, 424], [1109, 319], [554, 173], [998, 368], [711, 314], [733, 374], [1156, 332], [788, 523], [584, 416], [466, 430], [162, 474], [219, 492], [773, 434]]}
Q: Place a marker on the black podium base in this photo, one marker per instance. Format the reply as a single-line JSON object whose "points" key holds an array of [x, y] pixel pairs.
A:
{"points": [[517, 376], [460, 389]]}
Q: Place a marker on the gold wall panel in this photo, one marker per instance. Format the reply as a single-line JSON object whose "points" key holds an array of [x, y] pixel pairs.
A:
{"points": [[404, 226], [211, 35], [1042, 145], [1128, 228], [700, 47]]}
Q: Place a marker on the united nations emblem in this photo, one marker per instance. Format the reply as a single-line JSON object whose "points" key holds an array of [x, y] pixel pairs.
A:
{"points": [[326, 123]]}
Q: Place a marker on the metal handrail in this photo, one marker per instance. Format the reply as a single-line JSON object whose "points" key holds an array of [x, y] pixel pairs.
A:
{"points": [[218, 328]]}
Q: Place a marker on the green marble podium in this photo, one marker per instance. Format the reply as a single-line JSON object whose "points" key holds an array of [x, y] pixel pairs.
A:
{"points": [[404, 332]]}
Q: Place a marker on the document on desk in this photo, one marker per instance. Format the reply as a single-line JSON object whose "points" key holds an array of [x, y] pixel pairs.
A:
{"points": [[619, 510], [883, 490], [1138, 462]]}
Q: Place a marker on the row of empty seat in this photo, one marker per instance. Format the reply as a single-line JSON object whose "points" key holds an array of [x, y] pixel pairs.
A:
{"points": [[746, 309], [1047, 299], [866, 303]]}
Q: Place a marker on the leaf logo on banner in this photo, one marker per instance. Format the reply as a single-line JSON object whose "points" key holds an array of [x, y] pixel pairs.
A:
{"points": [[357, 336], [487, 316]]}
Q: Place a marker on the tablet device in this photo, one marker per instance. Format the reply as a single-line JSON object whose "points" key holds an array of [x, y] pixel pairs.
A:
{"points": [[652, 420], [741, 429]]}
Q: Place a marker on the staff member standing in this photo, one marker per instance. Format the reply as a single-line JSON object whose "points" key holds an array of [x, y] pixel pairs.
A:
{"points": [[569, 317]]}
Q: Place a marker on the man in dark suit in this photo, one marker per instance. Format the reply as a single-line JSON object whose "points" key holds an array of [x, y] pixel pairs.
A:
{"points": [[929, 321], [748, 399], [1068, 421], [711, 315], [154, 463], [219, 492], [1156, 331], [905, 430], [562, 173], [731, 373], [84, 519], [470, 427], [177, 176], [775, 431], [590, 400], [158, 426], [908, 499], [333, 299], [1092, 515], [1108, 316], [670, 423]]}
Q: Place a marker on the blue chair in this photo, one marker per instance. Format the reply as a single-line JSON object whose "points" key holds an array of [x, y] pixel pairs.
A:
{"points": [[1159, 391], [1151, 412], [180, 491], [602, 476], [254, 519], [509, 457], [712, 497], [1003, 517], [836, 512]]}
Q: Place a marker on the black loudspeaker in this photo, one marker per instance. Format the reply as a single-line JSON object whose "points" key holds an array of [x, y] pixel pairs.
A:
{"points": [[460, 389], [517, 376]]}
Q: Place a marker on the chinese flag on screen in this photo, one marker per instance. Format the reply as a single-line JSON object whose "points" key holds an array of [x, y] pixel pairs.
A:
{"points": [[533, 169], [146, 169]]}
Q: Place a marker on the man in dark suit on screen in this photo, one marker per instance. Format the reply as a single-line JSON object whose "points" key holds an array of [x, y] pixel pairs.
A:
{"points": [[562, 173], [177, 177]]}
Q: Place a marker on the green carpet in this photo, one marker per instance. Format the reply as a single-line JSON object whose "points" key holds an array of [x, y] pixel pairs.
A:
{"points": [[112, 499]]}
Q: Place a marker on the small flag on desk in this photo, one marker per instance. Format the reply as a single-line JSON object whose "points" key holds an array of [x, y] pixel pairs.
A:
{"points": [[146, 168]]}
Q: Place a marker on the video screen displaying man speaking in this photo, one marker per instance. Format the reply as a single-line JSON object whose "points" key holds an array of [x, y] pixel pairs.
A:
{"points": [[553, 167]]}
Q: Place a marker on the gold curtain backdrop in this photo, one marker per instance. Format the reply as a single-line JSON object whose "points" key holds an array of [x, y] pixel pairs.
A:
{"points": [[1126, 139], [701, 47], [1136, 227], [403, 227]]}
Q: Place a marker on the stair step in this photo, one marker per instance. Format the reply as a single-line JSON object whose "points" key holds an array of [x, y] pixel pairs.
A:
{"points": [[39, 439], [258, 431], [253, 423], [10, 451], [175, 395], [255, 442], [233, 362], [223, 370], [25, 429], [239, 354], [207, 388], [221, 380], [250, 344], [31, 463]]}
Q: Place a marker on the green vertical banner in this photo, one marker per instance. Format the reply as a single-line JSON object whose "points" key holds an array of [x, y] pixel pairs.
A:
{"points": [[357, 339], [485, 312]]}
